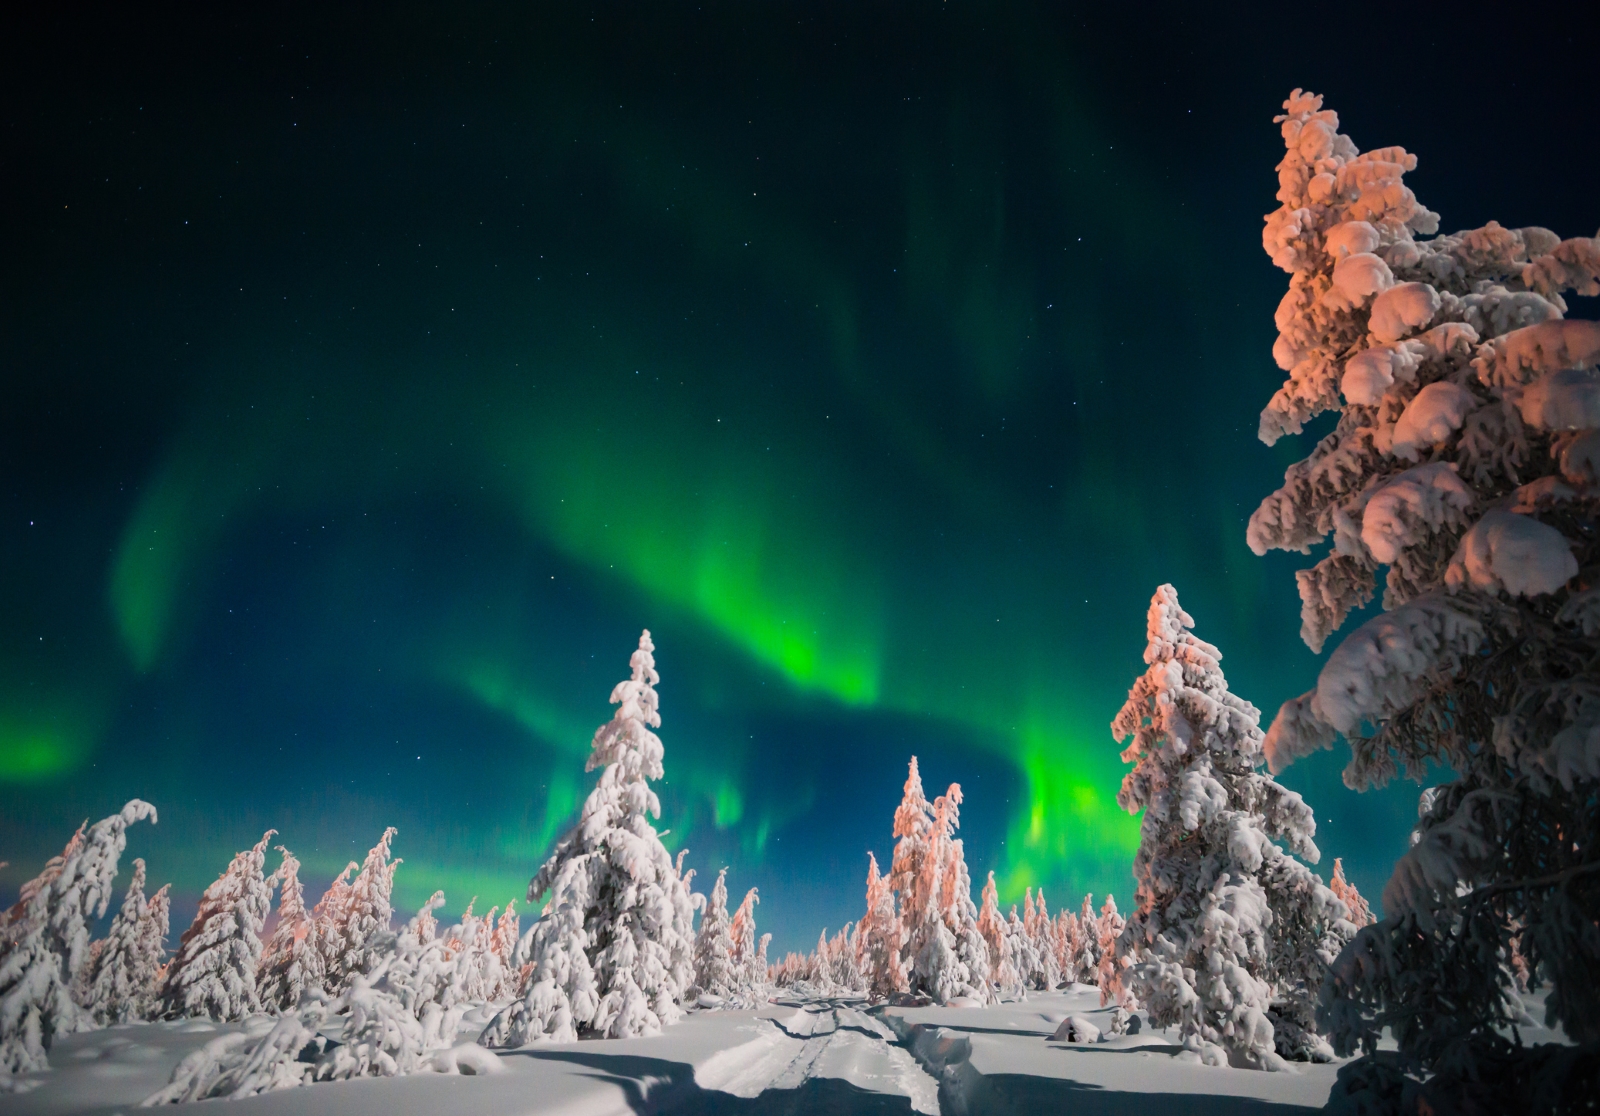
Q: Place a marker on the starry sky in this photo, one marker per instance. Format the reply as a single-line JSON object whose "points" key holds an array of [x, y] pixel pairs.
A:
{"points": [[371, 379]]}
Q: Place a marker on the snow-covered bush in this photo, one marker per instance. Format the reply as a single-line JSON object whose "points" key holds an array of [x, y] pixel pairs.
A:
{"points": [[292, 961], [1230, 935], [120, 983], [44, 941], [213, 973], [614, 953], [1462, 462]]}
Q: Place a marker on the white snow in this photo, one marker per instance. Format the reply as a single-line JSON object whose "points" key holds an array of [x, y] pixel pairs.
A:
{"points": [[793, 1054], [1401, 310], [1512, 552], [1434, 413]]}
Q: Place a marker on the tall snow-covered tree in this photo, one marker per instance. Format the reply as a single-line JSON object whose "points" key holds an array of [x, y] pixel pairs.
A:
{"points": [[948, 955], [1111, 973], [213, 973], [713, 946], [1086, 962], [614, 954], [913, 826], [120, 987], [1008, 981], [292, 961], [1464, 464], [880, 935], [749, 970], [44, 940], [1041, 928], [1360, 912], [358, 921], [1230, 935]]}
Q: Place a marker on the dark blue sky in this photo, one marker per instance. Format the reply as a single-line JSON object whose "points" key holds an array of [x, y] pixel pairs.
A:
{"points": [[372, 378]]}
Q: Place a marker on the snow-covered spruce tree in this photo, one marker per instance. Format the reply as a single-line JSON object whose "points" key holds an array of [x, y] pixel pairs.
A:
{"points": [[358, 919], [1465, 461], [913, 825], [120, 987], [1230, 935], [749, 970], [614, 954], [714, 977], [1358, 911], [292, 961], [948, 955], [1021, 947], [1007, 979], [1041, 928], [213, 973], [1086, 958], [880, 937], [44, 941], [1111, 972]]}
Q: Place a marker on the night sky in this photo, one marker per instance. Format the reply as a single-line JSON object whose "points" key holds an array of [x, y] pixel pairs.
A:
{"points": [[371, 379]]}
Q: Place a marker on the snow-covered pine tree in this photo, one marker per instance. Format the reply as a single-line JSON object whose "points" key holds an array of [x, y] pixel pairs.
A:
{"points": [[329, 915], [1006, 979], [1465, 460], [960, 912], [714, 975], [119, 987], [945, 945], [913, 826], [44, 940], [1041, 929], [1066, 929], [749, 971], [358, 921], [1230, 934], [880, 937], [213, 974], [503, 949], [291, 961], [1086, 961], [847, 972], [614, 953], [1359, 912], [1020, 946], [1111, 971]]}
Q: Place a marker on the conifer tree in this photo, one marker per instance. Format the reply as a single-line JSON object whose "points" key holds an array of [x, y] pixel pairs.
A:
{"points": [[1464, 465], [913, 824], [1020, 945], [881, 936], [292, 960], [1359, 912], [1041, 929], [1230, 934], [357, 921], [213, 974], [749, 971], [1007, 979], [1087, 962], [713, 946], [614, 954], [119, 986], [44, 940]]}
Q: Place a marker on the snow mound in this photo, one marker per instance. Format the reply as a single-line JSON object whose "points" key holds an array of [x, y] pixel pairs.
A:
{"points": [[1512, 552]]}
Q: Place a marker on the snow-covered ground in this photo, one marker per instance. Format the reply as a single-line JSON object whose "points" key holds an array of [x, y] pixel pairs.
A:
{"points": [[790, 1055]]}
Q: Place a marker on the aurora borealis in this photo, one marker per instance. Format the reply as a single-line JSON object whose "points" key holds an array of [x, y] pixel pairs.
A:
{"points": [[372, 380]]}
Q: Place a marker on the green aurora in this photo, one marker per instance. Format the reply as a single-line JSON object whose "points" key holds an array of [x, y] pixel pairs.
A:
{"points": [[372, 390]]}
